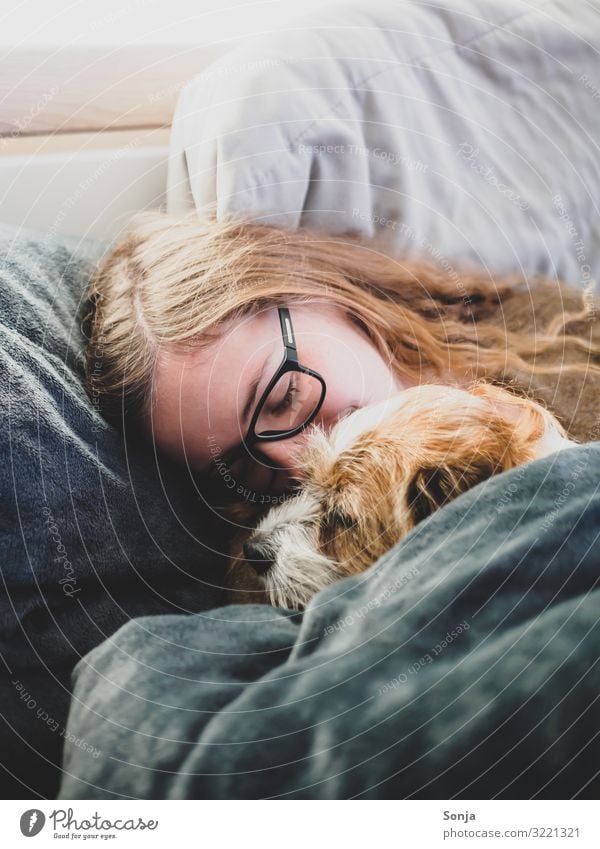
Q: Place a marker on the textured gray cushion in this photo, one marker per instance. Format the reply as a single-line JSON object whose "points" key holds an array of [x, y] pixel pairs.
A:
{"points": [[92, 531]]}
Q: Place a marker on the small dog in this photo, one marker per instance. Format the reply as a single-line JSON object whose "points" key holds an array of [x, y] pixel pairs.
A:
{"points": [[377, 474]]}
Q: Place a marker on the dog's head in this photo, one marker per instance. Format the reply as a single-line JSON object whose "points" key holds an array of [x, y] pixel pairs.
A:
{"points": [[382, 470]]}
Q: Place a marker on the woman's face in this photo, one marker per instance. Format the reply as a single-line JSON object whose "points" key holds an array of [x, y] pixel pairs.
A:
{"points": [[200, 395]]}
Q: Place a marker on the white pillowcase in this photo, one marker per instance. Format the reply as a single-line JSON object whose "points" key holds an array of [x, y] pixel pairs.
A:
{"points": [[462, 130]]}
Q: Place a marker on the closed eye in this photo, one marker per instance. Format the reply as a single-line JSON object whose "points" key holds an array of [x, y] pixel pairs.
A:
{"points": [[288, 399]]}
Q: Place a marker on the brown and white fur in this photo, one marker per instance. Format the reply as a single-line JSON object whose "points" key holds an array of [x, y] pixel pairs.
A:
{"points": [[377, 474]]}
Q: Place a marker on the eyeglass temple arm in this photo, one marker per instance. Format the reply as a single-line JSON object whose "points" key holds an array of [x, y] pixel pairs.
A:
{"points": [[286, 328]]}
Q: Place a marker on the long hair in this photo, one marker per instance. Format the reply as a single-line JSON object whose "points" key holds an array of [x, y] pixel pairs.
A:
{"points": [[172, 279]]}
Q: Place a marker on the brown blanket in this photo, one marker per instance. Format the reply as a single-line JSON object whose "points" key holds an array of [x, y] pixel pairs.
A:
{"points": [[573, 397]]}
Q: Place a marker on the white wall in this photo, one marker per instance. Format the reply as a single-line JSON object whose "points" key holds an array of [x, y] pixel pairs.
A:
{"points": [[56, 23]]}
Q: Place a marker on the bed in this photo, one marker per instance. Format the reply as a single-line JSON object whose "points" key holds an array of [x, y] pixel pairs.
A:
{"points": [[124, 674]]}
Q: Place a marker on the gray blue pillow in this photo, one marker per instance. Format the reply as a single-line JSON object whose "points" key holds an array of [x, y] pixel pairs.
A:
{"points": [[94, 531]]}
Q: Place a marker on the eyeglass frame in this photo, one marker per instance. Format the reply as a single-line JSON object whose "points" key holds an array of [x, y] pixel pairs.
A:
{"points": [[288, 363]]}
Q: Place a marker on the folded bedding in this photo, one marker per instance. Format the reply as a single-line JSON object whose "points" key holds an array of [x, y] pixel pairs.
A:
{"points": [[464, 664], [465, 130], [93, 531]]}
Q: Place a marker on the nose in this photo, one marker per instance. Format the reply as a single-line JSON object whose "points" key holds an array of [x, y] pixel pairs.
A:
{"points": [[257, 553], [287, 454]]}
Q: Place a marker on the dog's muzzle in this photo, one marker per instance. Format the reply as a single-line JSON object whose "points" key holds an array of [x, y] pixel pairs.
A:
{"points": [[258, 554]]}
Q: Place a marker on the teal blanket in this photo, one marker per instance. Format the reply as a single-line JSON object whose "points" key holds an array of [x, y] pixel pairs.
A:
{"points": [[464, 664]]}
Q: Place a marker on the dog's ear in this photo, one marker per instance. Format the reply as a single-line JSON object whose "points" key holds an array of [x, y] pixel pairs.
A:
{"points": [[432, 487]]}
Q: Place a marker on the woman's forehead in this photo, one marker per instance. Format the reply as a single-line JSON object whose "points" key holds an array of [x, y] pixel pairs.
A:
{"points": [[239, 346], [242, 331]]}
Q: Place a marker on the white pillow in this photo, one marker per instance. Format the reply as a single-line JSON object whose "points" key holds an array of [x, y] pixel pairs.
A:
{"points": [[462, 130]]}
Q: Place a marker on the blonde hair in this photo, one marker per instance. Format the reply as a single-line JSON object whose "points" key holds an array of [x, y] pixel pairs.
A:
{"points": [[173, 279]]}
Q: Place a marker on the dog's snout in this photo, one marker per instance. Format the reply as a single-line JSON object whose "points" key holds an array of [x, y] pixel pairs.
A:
{"points": [[257, 554]]}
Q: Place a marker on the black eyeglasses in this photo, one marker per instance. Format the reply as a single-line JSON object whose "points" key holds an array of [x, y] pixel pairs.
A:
{"points": [[289, 403]]}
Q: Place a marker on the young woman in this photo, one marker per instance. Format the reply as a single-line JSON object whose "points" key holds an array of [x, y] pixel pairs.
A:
{"points": [[223, 341]]}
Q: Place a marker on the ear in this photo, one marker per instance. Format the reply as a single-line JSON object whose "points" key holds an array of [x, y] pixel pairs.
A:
{"points": [[432, 487]]}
